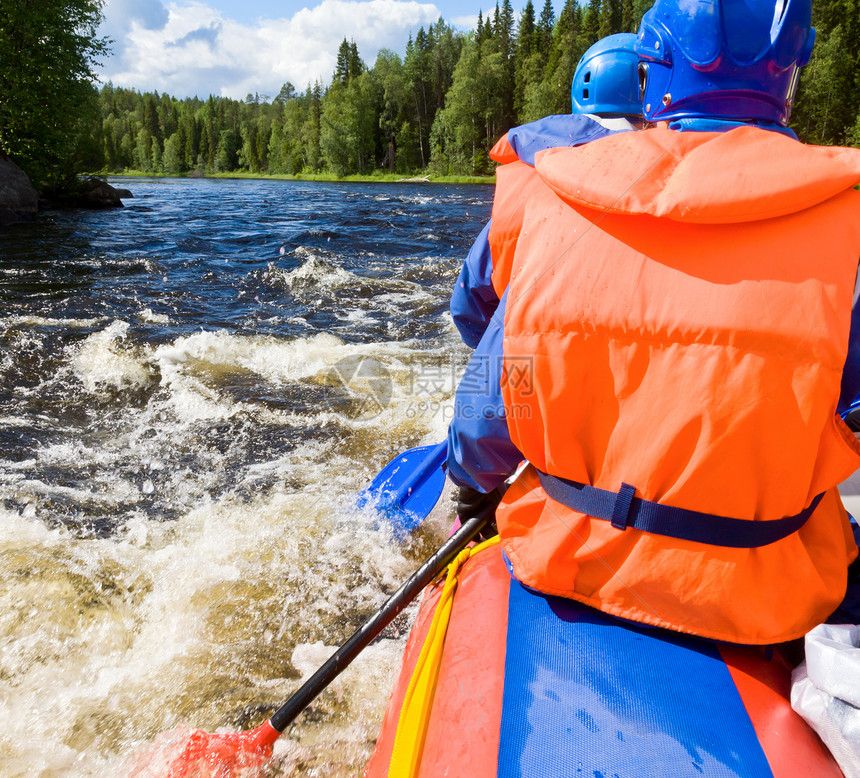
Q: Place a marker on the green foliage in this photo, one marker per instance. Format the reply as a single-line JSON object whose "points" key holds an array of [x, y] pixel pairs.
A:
{"points": [[457, 131], [824, 114], [428, 73], [826, 108], [347, 126], [439, 109], [388, 74], [48, 105], [349, 64]]}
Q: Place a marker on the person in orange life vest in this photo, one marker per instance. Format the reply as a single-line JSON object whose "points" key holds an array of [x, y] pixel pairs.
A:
{"points": [[674, 347], [605, 101]]}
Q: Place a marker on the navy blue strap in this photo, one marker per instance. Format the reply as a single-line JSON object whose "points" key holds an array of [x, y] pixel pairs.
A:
{"points": [[625, 510]]}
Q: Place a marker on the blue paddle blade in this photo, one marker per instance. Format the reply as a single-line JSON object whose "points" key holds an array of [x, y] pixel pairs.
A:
{"points": [[408, 487]]}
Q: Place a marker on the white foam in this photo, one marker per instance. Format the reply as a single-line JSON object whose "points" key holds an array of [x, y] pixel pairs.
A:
{"points": [[125, 634], [29, 320], [314, 273], [419, 199], [249, 582], [79, 495], [101, 360], [147, 316], [14, 421], [276, 360]]}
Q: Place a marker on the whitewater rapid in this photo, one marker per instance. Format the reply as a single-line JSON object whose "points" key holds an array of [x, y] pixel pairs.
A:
{"points": [[188, 408]]}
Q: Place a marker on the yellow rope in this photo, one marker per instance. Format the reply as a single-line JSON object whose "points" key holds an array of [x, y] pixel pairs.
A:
{"points": [[418, 700]]}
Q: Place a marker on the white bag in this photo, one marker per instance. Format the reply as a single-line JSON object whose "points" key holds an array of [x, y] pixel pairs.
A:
{"points": [[825, 690]]}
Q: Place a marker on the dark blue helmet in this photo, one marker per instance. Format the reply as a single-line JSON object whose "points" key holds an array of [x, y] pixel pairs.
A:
{"points": [[605, 81], [734, 59]]}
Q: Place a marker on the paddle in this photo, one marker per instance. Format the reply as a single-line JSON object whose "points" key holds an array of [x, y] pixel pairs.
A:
{"points": [[220, 754], [406, 490]]}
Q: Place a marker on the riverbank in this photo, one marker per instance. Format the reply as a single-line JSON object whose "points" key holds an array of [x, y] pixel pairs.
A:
{"points": [[375, 178]]}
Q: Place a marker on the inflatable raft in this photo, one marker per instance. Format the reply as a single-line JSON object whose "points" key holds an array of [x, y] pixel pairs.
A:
{"points": [[498, 681]]}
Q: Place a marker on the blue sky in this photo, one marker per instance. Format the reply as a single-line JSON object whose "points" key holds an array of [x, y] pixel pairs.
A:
{"points": [[235, 47]]}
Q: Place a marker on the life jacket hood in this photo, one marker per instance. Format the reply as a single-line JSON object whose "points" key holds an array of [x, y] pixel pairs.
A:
{"points": [[516, 179], [746, 174]]}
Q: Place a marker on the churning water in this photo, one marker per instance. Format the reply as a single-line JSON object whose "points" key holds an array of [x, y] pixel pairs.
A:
{"points": [[192, 391]]}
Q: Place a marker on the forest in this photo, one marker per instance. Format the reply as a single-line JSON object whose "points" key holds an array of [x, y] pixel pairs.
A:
{"points": [[439, 108]]}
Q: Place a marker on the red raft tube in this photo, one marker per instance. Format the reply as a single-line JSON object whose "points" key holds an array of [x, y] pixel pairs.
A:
{"points": [[501, 682]]}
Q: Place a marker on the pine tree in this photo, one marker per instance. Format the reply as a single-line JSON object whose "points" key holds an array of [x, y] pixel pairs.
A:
{"points": [[640, 8], [525, 32], [446, 54], [356, 66], [610, 18], [388, 74], [505, 40], [543, 31], [348, 63], [569, 44], [472, 118], [417, 71], [311, 128], [288, 92], [526, 69], [591, 24], [629, 22]]}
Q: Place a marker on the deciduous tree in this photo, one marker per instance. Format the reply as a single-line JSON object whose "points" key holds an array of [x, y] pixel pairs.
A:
{"points": [[48, 104]]}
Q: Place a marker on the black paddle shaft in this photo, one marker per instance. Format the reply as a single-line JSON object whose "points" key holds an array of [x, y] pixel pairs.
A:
{"points": [[371, 628]]}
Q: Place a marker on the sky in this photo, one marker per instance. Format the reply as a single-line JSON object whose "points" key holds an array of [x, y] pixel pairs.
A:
{"points": [[233, 48]]}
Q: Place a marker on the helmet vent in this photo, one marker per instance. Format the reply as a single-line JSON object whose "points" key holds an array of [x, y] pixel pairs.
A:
{"points": [[585, 94], [587, 76]]}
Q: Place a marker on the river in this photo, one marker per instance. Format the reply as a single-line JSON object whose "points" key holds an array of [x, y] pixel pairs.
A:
{"points": [[193, 389]]}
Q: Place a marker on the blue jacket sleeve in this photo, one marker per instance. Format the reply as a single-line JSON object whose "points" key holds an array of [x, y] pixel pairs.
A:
{"points": [[474, 299], [850, 394], [480, 451]]}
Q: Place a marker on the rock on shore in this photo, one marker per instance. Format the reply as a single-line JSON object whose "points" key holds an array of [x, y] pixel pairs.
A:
{"points": [[18, 199], [95, 193]]}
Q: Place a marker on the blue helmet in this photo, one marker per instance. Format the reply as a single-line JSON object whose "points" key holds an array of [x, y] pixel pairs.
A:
{"points": [[605, 81], [734, 59]]}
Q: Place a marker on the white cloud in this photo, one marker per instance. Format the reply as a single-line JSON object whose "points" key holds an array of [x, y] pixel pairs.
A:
{"points": [[188, 48], [465, 23], [120, 15]]}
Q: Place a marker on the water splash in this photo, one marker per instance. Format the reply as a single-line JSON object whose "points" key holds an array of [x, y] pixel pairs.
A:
{"points": [[178, 544]]}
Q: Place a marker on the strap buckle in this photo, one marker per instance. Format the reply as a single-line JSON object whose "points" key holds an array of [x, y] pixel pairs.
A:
{"points": [[622, 505]]}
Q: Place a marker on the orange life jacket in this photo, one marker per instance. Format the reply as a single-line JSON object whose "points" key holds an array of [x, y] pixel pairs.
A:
{"points": [[515, 183], [677, 320]]}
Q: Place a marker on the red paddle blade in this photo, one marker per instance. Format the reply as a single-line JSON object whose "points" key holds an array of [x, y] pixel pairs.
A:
{"points": [[187, 753]]}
